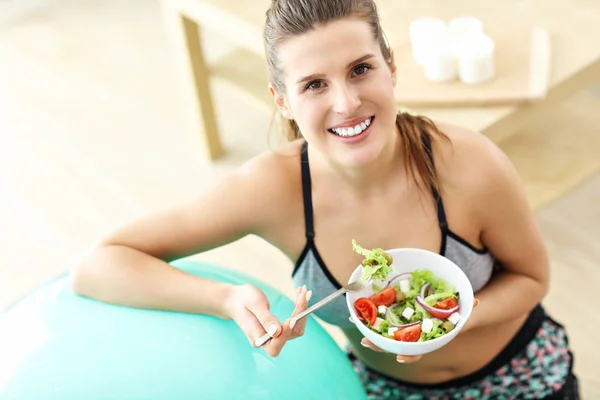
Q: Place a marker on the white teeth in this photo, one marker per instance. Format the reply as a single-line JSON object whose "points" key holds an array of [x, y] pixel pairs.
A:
{"points": [[348, 132]]}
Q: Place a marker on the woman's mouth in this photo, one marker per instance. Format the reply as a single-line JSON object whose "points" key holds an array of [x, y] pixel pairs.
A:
{"points": [[353, 131]]}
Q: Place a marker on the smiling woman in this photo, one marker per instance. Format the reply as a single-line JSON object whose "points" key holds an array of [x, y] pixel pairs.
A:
{"points": [[387, 179]]}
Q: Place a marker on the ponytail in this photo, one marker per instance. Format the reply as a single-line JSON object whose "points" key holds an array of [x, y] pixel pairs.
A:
{"points": [[288, 127], [418, 133]]}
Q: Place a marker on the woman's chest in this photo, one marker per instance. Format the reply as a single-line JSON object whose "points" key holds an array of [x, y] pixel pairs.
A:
{"points": [[386, 225]]}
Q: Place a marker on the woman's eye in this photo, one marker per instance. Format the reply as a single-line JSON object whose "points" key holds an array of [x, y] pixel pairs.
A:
{"points": [[314, 85], [360, 70]]}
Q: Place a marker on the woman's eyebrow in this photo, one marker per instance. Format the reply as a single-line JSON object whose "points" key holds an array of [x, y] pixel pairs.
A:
{"points": [[350, 64]]}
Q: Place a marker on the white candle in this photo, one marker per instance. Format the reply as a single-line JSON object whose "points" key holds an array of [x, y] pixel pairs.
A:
{"points": [[425, 34], [461, 29], [441, 64], [476, 60], [465, 26]]}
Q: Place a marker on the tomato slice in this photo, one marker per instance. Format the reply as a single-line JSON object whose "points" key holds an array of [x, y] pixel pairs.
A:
{"points": [[366, 309], [384, 298], [409, 334], [446, 304], [439, 315]]}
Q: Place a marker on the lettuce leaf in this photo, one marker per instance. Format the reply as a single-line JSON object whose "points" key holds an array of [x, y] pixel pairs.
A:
{"points": [[378, 268], [435, 333], [423, 276]]}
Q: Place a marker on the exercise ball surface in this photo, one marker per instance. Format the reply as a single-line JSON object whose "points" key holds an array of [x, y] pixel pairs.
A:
{"points": [[55, 345]]}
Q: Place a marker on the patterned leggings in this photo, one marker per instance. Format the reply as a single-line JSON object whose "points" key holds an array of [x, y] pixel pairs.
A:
{"points": [[536, 364]]}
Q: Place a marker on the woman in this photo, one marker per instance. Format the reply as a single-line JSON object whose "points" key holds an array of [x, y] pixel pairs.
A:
{"points": [[356, 169]]}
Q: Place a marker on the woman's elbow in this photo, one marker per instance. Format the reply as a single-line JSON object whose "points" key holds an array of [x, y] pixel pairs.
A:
{"points": [[84, 273]]}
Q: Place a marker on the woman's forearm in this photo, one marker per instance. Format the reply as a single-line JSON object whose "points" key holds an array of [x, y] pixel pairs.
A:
{"points": [[507, 297], [122, 275]]}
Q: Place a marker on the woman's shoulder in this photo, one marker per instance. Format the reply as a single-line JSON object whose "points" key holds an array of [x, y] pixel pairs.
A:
{"points": [[279, 161], [468, 155], [473, 167], [274, 171]]}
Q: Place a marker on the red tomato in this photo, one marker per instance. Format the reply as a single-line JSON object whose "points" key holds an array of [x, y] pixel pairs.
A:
{"points": [[410, 334], [446, 304], [366, 309], [384, 298], [440, 315]]}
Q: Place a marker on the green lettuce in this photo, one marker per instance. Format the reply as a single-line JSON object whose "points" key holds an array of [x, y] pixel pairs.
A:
{"points": [[377, 266], [423, 276], [435, 333]]}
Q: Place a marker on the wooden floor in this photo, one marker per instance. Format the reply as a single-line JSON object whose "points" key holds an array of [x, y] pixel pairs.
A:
{"points": [[93, 132]]}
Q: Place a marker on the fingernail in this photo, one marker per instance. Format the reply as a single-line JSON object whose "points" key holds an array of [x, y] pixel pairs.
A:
{"points": [[292, 324], [272, 329], [308, 295], [364, 343], [303, 287], [400, 360], [298, 290]]}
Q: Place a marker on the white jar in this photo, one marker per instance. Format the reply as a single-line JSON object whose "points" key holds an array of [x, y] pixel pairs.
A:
{"points": [[476, 60], [461, 29], [426, 34], [441, 64]]}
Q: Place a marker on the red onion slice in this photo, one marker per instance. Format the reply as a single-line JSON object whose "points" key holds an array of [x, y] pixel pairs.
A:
{"points": [[423, 289], [437, 312], [405, 325]]}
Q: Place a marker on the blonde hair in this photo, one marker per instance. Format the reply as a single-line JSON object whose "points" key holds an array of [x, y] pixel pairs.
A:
{"points": [[289, 18]]}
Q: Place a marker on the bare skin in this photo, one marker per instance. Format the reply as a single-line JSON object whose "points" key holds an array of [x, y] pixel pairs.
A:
{"points": [[359, 191]]}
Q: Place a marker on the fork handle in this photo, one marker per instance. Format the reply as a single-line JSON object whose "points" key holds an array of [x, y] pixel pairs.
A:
{"points": [[266, 337], [319, 304]]}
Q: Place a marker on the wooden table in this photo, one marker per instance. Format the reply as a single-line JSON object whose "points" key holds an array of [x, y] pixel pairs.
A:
{"points": [[573, 28]]}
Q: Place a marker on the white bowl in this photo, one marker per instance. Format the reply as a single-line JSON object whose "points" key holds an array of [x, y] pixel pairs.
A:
{"points": [[408, 260]]}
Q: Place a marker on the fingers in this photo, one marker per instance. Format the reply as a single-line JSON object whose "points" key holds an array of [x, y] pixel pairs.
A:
{"points": [[400, 358], [250, 326], [286, 332], [269, 323], [302, 298], [289, 329], [257, 320], [367, 343], [407, 359]]}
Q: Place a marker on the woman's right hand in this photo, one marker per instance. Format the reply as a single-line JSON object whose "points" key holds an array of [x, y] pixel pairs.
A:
{"points": [[249, 308]]}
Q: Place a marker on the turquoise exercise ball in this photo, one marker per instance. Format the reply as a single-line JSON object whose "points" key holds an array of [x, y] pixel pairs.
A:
{"points": [[55, 345]]}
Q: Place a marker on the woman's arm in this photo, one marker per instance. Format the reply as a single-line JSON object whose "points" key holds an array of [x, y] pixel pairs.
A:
{"points": [[511, 234], [130, 266]]}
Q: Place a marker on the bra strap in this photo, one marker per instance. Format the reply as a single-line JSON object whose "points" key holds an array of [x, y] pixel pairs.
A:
{"points": [[307, 192]]}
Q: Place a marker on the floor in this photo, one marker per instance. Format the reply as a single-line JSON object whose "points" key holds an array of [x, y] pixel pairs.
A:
{"points": [[93, 133]]}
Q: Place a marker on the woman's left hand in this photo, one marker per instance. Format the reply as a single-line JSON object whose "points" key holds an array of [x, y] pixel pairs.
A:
{"points": [[400, 358]]}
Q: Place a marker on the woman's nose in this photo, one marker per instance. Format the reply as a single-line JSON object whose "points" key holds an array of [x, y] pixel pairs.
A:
{"points": [[346, 100]]}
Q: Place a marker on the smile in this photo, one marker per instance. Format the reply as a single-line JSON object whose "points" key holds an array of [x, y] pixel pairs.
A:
{"points": [[352, 131]]}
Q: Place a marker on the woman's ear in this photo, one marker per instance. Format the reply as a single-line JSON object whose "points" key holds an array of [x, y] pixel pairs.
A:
{"points": [[392, 65], [280, 102]]}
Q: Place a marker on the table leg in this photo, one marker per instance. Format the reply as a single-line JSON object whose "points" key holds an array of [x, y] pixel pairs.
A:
{"points": [[185, 37]]}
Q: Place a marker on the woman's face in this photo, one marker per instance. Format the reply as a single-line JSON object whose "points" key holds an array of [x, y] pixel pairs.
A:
{"points": [[339, 90]]}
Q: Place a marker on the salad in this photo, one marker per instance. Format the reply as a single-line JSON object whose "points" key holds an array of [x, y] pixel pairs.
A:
{"points": [[413, 307]]}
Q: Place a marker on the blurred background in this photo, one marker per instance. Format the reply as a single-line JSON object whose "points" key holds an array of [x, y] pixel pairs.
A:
{"points": [[98, 125]]}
